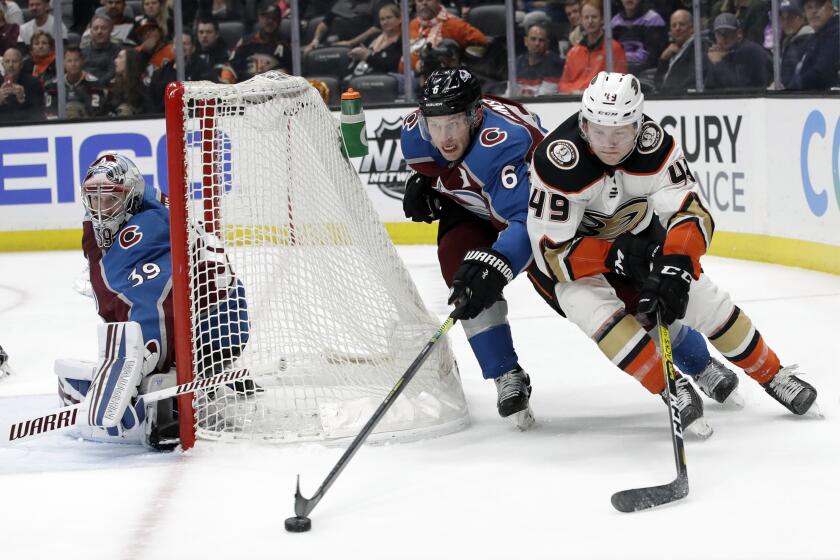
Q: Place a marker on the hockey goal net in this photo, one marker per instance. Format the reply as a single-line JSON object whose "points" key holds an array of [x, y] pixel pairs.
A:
{"points": [[331, 315]]}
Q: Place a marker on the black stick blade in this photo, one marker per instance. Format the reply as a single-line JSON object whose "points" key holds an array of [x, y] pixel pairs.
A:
{"points": [[637, 499], [302, 508]]}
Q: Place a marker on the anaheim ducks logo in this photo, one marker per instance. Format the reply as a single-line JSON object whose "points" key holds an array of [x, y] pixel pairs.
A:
{"points": [[650, 138], [625, 218], [563, 154]]}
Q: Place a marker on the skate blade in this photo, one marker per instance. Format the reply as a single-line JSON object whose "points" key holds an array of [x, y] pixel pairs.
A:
{"points": [[524, 419], [700, 429], [735, 401]]}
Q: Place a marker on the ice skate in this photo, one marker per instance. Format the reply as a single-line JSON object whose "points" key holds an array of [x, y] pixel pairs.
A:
{"points": [[690, 406], [720, 384], [794, 394], [514, 390]]}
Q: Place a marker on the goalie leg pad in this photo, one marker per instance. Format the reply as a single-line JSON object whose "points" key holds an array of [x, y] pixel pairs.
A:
{"points": [[113, 388]]}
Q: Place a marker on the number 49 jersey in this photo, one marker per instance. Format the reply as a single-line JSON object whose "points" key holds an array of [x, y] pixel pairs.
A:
{"points": [[132, 280], [579, 205], [491, 180]]}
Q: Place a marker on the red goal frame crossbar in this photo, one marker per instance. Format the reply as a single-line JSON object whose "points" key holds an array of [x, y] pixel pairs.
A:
{"points": [[176, 144]]}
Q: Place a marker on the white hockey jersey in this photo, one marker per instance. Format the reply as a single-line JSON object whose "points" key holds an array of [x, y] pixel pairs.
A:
{"points": [[578, 204]]}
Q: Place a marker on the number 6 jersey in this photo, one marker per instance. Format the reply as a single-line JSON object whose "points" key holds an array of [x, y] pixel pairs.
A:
{"points": [[578, 205], [491, 180]]}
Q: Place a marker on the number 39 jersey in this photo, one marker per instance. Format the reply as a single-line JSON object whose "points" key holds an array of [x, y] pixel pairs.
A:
{"points": [[579, 205], [132, 280], [491, 180]]}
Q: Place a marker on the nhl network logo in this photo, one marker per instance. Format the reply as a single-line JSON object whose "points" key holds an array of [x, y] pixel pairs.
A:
{"points": [[384, 165]]}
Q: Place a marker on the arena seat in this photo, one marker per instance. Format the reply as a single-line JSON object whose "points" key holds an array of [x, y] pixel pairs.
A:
{"points": [[375, 88], [327, 61], [489, 19]]}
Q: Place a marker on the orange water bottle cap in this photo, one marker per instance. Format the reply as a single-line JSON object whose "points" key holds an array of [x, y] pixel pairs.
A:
{"points": [[350, 94]]}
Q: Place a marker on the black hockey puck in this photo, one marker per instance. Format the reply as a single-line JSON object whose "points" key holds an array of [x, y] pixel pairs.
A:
{"points": [[298, 524]]}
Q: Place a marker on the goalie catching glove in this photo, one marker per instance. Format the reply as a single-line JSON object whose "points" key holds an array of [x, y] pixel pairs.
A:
{"points": [[666, 288], [479, 282]]}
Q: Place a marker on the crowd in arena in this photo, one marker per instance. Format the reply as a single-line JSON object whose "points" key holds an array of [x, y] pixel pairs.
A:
{"points": [[118, 55]]}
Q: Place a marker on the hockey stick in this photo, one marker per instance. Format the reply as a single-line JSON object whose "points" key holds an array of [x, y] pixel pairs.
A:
{"points": [[304, 506], [27, 429], [637, 499]]}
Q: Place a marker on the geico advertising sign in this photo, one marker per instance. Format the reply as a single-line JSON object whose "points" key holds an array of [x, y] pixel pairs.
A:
{"points": [[765, 165], [42, 166]]}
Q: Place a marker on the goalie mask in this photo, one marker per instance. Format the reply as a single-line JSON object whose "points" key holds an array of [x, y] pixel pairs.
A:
{"points": [[610, 116], [112, 192], [450, 107]]}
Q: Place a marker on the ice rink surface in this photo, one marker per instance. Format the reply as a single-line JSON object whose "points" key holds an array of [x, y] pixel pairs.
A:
{"points": [[765, 486]]}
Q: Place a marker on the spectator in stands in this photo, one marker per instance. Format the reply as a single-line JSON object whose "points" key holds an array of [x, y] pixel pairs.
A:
{"points": [[434, 24], [266, 41], [211, 47], [126, 93], [84, 96], [121, 25], [538, 71], [735, 62], [42, 20], [153, 50], [159, 11], [21, 96], [589, 57], [195, 69], [795, 36], [675, 71], [225, 10], [383, 53], [751, 13], [101, 50], [817, 70], [42, 53], [8, 33], [641, 33], [12, 12], [572, 8], [347, 24]]}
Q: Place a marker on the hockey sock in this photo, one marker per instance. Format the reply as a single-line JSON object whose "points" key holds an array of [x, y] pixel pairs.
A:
{"points": [[494, 351], [626, 343], [741, 343]]}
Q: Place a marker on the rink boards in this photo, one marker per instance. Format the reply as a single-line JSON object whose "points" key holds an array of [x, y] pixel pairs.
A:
{"points": [[769, 168]]}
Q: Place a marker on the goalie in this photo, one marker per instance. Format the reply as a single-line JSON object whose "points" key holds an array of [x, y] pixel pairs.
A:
{"points": [[125, 240]]}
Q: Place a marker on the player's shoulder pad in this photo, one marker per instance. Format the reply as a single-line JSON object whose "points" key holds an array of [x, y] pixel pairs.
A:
{"points": [[653, 148], [563, 161]]}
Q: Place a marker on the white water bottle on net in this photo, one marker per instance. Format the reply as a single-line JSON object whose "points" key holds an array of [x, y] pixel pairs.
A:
{"points": [[282, 266]]}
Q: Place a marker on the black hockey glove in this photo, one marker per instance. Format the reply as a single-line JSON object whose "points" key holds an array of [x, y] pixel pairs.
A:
{"points": [[632, 255], [420, 201], [666, 288], [479, 282]]}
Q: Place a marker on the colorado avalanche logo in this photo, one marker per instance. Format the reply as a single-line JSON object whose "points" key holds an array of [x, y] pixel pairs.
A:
{"points": [[492, 136], [650, 138], [563, 154]]}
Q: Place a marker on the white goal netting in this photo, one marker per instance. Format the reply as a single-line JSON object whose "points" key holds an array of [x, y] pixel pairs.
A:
{"points": [[332, 317]]}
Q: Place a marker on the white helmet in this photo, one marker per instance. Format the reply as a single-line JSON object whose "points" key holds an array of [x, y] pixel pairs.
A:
{"points": [[612, 99], [112, 192]]}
